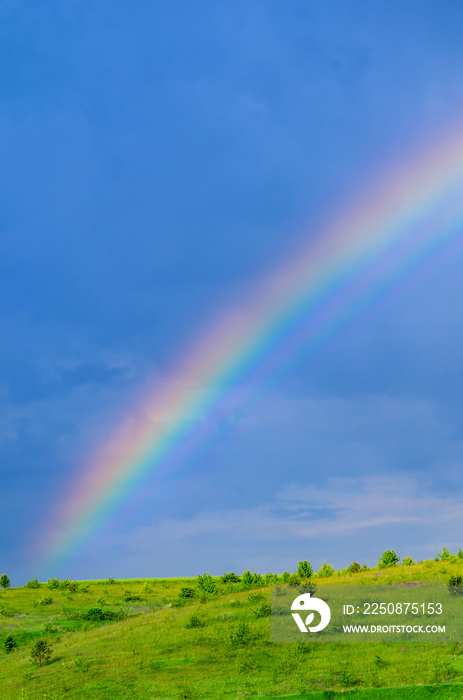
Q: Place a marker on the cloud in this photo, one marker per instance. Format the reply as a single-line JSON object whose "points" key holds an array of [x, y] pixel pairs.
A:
{"points": [[343, 508]]}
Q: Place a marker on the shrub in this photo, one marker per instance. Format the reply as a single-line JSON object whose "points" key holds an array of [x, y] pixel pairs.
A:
{"points": [[240, 634], [99, 615], [293, 580], [444, 555], [206, 583], [6, 611], [388, 558], [230, 578], [285, 576], [181, 602], [308, 588], [53, 583], [408, 561], [81, 664], [455, 585], [347, 678], [195, 621], [249, 579], [256, 597], [73, 586], [146, 588], [263, 610], [270, 578], [4, 581], [187, 593], [304, 569], [354, 568], [110, 580], [325, 570], [34, 583], [459, 554], [131, 596], [41, 652], [9, 644], [46, 600]]}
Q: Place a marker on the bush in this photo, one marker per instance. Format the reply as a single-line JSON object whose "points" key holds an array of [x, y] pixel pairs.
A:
{"points": [[230, 578], [131, 596], [285, 576], [459, 554], [6, 611], [294, 580], [256, 597], [181, 602], [249, 579], [4, 581], [34, 583], [81, 664], [455, 585], [99, 615], [307, 588], [68, 585], [304, 569], [53, 583], [408, 561], [187, 593], [325, 570], [195, 621], [9, 644], [46, 600], [206, 583], [444, 555], [110, 580], [388, 558], [354, 568], [270, 578], [41, 652], [263, 610], [240, 634]]}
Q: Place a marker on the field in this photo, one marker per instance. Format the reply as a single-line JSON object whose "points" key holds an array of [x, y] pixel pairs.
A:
{"points": [[172, 638]]}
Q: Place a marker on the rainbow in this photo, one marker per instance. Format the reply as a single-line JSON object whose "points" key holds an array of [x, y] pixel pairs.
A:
{"points": [[401, 223]]}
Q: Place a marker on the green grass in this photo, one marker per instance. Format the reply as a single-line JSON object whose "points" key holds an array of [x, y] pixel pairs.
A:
{"points": [[434, 692], [210, 646]]}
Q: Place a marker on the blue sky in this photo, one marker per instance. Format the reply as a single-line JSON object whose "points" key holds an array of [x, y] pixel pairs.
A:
{"points": [[157, 160]]}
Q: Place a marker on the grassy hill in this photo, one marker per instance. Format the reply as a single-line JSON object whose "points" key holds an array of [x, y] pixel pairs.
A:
{"points": [[170, 638]]}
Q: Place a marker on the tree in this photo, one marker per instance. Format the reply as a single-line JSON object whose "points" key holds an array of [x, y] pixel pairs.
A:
{"points": [[41, 652], [304, 569], [455, 586], [388, 558], [4, 581], [9, 644]]}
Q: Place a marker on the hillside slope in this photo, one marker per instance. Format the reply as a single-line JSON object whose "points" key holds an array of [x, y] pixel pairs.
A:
{"points": [[172, 638]]}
